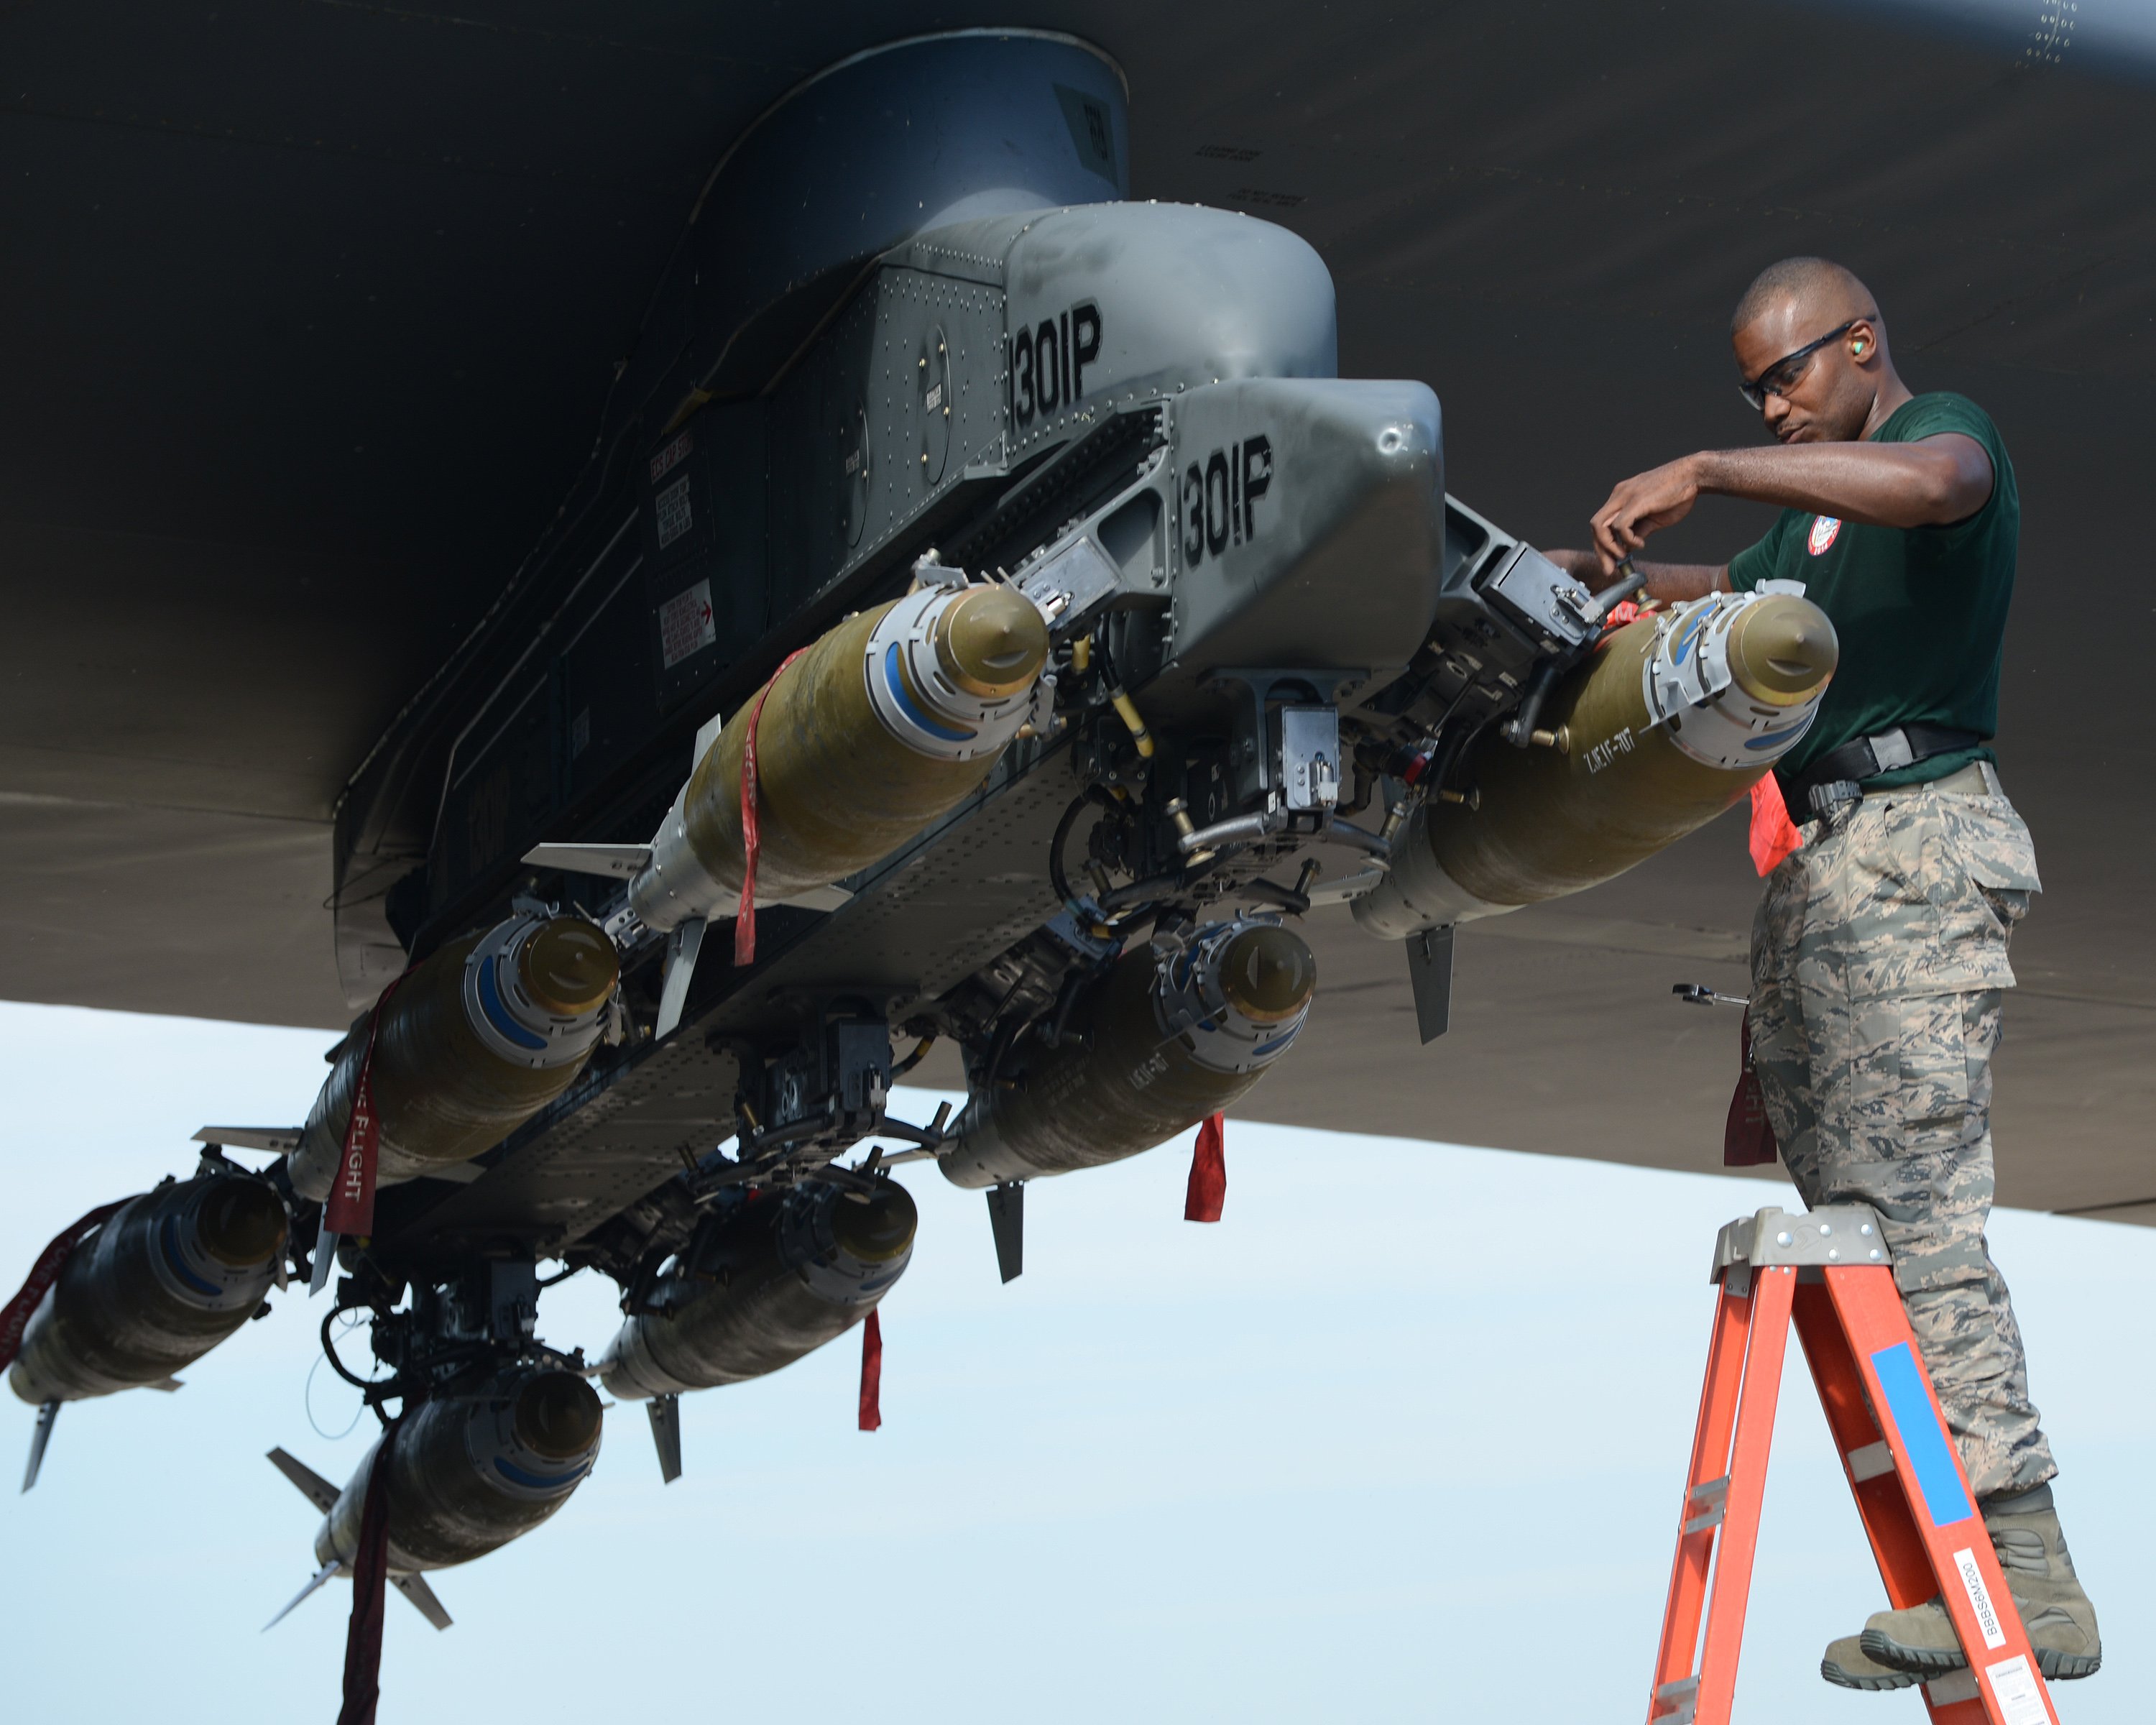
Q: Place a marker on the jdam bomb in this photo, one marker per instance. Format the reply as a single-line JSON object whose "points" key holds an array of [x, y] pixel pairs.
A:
{"points": [[879, 728], [1163, 1040], [1673, 718], [766, 1278], [163, 1280], [474, 1041], [471, 1469], [470, 1472]]}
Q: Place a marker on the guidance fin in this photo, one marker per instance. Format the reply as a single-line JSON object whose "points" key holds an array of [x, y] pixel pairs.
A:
{"points": [[415, 1588], [275, 1140], [325, 1252], [316, 1490], [42, 1436], [665, 1412], [707, 733], [322, 1575], [682, 947], [1429, 974], [1007, 1221], [618, 862]]}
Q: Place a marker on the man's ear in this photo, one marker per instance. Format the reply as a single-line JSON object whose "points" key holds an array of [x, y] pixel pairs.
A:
{"points": [[1863, 341]]}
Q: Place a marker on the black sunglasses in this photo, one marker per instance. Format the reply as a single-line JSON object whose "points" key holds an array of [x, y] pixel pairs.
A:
{"points": [[1781, 376]]}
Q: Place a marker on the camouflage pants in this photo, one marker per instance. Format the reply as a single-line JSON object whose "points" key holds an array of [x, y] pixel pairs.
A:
{"points": [[1878, 967]]}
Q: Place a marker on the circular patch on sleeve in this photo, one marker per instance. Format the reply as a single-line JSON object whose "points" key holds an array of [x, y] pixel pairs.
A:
{"points": [[1823, 528]]}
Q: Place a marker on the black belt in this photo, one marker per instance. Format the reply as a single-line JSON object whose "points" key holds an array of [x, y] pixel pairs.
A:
{"points": [[1840, 773]]}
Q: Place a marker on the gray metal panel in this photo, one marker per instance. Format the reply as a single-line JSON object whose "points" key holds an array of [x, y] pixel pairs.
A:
{"points": [[939, 338], [1171, 287], [1336, 562], [848, 436]]}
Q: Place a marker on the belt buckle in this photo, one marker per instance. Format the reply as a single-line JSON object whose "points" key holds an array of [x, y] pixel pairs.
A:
{"points": [[1828, 799]]}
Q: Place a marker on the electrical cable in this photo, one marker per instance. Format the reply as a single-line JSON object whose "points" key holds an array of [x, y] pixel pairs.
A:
{"points": [[1058, 877], [307, 1401], [330, 1353]]}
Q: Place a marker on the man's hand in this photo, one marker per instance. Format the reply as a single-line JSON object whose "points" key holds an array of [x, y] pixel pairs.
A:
{"points": [[1658, 498]]}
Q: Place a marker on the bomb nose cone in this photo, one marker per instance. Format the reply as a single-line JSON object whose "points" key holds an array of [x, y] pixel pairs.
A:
{"points": [[991, 641], [875, 1228], [241, 1223], [1782, 649], [557, 1415], [1268, 974], [569, 966]]}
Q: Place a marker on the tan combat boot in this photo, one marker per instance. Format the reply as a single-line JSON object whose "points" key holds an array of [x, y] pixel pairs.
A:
{"points": [[2056, 1612], [1847, 1666]]}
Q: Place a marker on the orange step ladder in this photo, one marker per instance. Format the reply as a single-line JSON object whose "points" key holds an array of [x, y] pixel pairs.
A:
{"points": [[1828, 1271]]}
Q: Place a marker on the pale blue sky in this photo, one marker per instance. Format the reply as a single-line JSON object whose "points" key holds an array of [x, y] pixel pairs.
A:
{"points": [[1401, 1439]]}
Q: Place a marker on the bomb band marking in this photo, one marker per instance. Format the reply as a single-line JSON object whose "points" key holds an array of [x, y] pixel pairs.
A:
{"points": [[1047, 362], [1153, 1066], [1219, 497], [1602, 754]]}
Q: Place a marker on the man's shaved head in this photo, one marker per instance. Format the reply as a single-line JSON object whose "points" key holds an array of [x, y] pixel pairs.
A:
{"points": [[1811, 352], [1813, 286]]}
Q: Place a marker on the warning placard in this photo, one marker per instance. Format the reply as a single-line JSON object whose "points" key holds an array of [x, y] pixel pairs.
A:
{"points": [[673, 506], [685, 624], [672, 456]]}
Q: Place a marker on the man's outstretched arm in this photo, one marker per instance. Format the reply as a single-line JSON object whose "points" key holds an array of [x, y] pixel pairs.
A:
{"points": [[1932, 482]]}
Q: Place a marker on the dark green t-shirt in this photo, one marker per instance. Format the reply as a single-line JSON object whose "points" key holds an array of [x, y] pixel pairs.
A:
{"points": [[1921, 611]]}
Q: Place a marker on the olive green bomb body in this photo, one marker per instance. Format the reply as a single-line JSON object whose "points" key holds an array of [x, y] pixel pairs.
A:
{"points": [[475, 1040], [1673, 718], [162, 1281], [879, 727], [471, 1471], [767, 1278], [1161, 1041]]}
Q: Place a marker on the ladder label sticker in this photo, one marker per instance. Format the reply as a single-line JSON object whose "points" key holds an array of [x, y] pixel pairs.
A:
{"points": [[2013, 1686], [1980, 1598], [1924, 1443]]}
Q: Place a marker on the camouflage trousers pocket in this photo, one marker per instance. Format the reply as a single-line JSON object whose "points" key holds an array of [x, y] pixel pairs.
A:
{"points": [[1909, 1077], [1929, 896], [2009, 904]]}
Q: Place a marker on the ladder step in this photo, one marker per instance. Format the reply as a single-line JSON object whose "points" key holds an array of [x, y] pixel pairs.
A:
{"points": [[1955, 1686], [1712, 1497], [1682, 1698], [1870, 1462]]}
